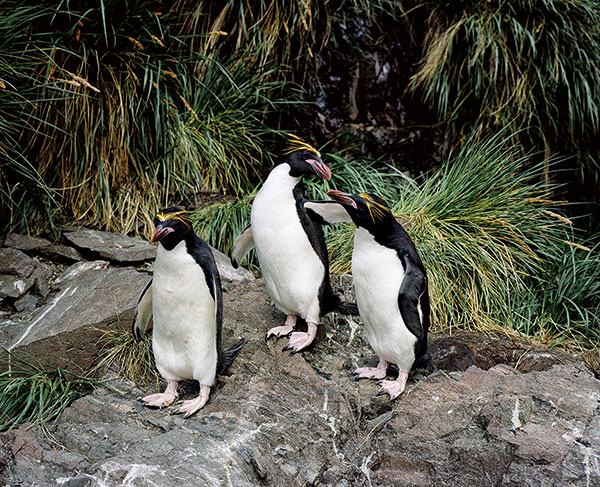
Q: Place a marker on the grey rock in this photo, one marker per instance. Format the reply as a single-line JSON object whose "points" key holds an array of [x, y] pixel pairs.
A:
{"points": [[293, 420], [227, 271], [83, 298], [27, 303], [74, 272], [14, 286], [13, 262], [42, 275], [26, 242], [112, 246], [61, 253]]}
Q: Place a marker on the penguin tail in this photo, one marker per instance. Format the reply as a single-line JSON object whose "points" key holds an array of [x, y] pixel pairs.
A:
{"points": [[347, 308], [229, 355], [424, 362]]}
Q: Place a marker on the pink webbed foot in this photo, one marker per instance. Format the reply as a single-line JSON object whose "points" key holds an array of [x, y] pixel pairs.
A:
{"points": [[280, 331], [394, 387], [162, 399], [371, 372], [300, 340], [190, 406]]}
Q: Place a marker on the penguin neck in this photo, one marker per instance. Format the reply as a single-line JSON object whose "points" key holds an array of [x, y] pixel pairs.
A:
{"points": [[280, 178], [383, 233], [170, 244]]}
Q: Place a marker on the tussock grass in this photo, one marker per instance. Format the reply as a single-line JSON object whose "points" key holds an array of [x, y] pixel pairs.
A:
{"points": [[134, 360], [531, 66], [499, 253], [31, 393], [112, 112], [497, 249]]}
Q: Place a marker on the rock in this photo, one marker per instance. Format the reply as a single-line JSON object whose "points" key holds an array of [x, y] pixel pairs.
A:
{"points": [[61, 253], [227, 271], [15, 263], [14, 287], [27, 303], [300, 419], [112, 246], [74, 271], [461, 350], [25, 242], [83, 298]]}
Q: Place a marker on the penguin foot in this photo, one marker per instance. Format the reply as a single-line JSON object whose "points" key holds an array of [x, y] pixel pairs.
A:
{"points": [[378, 372], [393, 387], [162, 399], [191, 406], [284, 330], [159, 400], [300, 340], [369, 373], [279, 331]]}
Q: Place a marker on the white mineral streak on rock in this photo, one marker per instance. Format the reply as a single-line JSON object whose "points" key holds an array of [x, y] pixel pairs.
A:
{"points": [[134, 471], [54, 302], [515, 415], [591, 462], [364, 468]]}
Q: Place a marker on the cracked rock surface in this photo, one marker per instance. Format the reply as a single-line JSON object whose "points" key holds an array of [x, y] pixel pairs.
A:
{"points": [[495, 412]]}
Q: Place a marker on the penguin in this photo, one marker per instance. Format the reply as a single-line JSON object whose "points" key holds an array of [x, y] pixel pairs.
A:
{"points": [[285, 228], [184, 299], [391, 290]]}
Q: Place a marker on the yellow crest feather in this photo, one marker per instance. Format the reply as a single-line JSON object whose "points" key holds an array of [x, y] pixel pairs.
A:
{"points": [[182, 216], [376, 209], [295, 144]]}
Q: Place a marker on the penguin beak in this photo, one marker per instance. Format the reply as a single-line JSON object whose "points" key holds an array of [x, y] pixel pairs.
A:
{"points": [[344, 198], [320, 169], [160, 232]]}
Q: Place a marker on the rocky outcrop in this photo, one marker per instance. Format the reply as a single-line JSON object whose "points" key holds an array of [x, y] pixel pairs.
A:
{"points": [[58, 312], [495, 412]]}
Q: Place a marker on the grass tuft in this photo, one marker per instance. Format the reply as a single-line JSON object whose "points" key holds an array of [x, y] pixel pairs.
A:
{"points": [[134, 360], [31, 393]]}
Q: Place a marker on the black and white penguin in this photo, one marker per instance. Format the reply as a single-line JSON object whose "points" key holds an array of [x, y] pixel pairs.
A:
{"points": [[391, 290], [185, 301], [285, 228]]}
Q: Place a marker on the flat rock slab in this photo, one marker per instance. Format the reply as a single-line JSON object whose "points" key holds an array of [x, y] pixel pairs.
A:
{"points": [[26, 242], [286, 419], [115, 247], [90, 296], [14, 262], [226, 270]]}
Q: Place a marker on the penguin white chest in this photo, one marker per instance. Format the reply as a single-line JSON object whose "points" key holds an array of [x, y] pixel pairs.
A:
{"points": [[184, 333], [291, 269], [378, 275]]}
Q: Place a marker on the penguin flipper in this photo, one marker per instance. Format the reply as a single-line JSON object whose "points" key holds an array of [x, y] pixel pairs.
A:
{"points": [[243, 244], [326, 212], [412, 296], [143, 313]]}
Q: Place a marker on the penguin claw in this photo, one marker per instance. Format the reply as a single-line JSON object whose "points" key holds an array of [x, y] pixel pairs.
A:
{"points": [[369, 373], [299, 341]]}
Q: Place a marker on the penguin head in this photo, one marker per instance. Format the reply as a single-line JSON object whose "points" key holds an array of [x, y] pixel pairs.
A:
{"points": [[172, 225], [367, 210], [303, 159]]}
